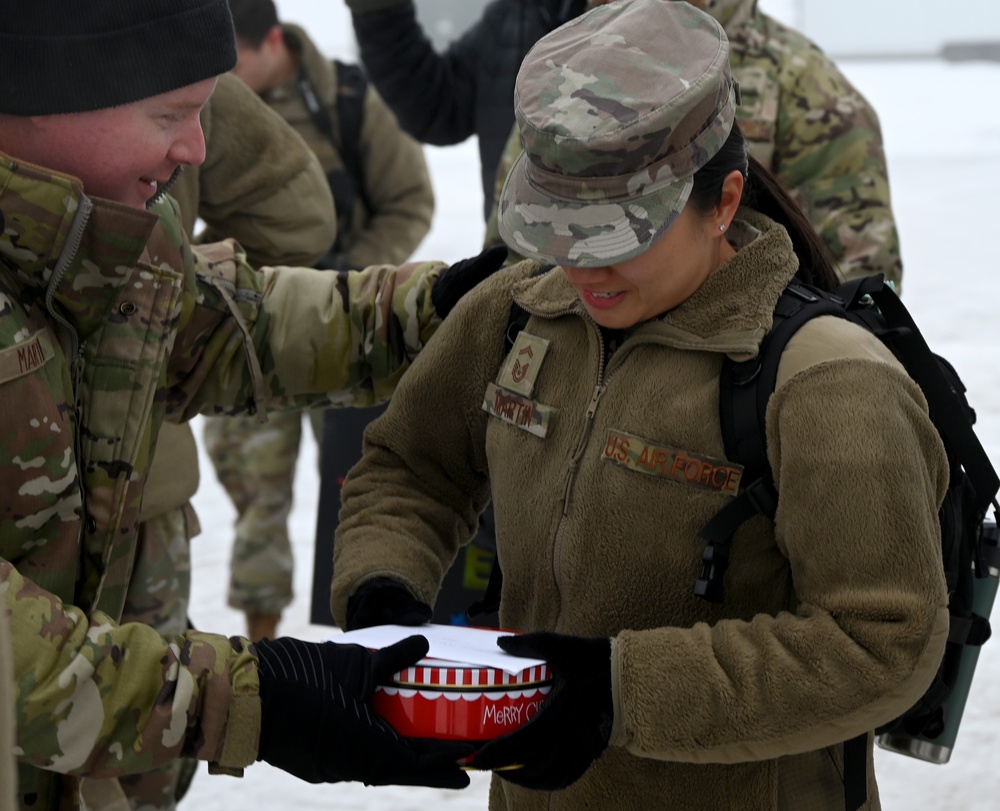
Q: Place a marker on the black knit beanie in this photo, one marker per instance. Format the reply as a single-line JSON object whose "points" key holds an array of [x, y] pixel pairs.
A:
{"points": [[68, 56]]}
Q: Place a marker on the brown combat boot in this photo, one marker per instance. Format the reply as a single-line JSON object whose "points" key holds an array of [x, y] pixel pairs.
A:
{"points": [[260, 626]]}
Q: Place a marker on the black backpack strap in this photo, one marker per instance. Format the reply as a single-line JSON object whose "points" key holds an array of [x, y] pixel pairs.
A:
{"points": [[490, 602], [856, 772], [745, 387], [954, 424], [351, 88], [744, 391], [317, 112], [348, 185]]}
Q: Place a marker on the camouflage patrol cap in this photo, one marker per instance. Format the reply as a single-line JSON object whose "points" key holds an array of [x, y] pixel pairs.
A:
{"points": [[68, 57], [616, 112]]}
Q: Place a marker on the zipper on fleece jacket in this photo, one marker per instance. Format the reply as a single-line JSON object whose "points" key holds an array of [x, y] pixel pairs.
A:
{"points": [[574, 462]]}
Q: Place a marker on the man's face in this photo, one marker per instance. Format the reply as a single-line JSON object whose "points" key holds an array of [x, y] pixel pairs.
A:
{"points": [[124, 153], [257, 66]]}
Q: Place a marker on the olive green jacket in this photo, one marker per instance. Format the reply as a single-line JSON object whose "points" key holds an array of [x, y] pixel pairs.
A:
{"points": [[110, 323], [835, 615]]}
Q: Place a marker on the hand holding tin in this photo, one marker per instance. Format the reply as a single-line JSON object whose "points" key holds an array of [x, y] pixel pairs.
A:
{"points": [[384, 601], [572, 728], [316, 722]]}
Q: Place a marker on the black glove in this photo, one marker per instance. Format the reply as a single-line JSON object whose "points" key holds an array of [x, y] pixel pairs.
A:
{"points": [[457, 280], [317, 725], [383, 601], [572, 727]]}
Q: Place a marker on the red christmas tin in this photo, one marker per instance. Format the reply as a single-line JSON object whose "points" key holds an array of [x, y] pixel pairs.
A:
{"points": [[440, 699]]}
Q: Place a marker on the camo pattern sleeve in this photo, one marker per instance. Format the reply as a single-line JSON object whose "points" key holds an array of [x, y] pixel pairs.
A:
{"points": [[103, 699], [286, 337], [805, 121]]}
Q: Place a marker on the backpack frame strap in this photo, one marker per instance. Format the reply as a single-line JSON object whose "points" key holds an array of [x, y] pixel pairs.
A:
{"points": [[745, 387], [909, 345], [351, 88]]}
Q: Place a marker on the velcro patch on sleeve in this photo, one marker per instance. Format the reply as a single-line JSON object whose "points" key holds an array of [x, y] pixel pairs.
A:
{"points": [[25, 357]]}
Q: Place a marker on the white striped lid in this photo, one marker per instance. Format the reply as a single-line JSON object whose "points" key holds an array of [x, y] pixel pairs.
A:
{"points": [[438, 674]]}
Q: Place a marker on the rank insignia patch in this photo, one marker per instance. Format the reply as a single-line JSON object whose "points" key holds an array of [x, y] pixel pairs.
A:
{"points": [[524, 361]]}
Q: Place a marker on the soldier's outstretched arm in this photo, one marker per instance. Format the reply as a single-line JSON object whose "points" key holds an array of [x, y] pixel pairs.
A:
{"points": [[278, 338], [98, 699]]}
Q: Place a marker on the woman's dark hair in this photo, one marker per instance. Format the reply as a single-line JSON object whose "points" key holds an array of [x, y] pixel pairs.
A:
{"points": [[763, 192]]}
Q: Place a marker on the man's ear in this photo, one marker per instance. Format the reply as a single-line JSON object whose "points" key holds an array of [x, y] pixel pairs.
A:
{"points": [[274, 37]]}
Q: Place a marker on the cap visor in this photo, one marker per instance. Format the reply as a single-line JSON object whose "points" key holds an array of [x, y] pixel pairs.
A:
{"points": [[583, 234]]}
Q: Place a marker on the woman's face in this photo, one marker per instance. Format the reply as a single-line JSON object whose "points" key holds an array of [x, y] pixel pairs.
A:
{"points": [[627, 293]]}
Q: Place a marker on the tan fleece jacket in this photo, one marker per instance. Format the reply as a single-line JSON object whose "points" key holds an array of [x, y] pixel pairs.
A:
{"points": [[396, 178], [835, 617], [260, 183]]}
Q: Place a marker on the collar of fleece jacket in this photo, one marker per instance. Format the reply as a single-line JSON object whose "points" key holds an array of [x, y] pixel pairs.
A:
{"points": [[730, 313], [55, 237], [316, 65]]}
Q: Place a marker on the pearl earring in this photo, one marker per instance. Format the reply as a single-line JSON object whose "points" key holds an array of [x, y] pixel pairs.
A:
{"points": [[722, 227]]}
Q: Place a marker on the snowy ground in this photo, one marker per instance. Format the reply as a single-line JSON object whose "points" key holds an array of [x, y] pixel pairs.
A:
{"points": [[943, 142]]}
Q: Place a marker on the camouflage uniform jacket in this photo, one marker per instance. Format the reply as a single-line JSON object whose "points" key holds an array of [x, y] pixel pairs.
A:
{"points": [[109, 323], [805, 122], [396, 180], [8, 765]]}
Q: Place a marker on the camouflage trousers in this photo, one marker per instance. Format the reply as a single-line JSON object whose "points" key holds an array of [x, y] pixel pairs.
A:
{"points": [[158, 595], [255, 463]]}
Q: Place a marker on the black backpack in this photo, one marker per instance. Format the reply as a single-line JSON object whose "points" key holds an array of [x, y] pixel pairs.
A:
{"points": [[966, 552], [746, 387], [348, 184]]}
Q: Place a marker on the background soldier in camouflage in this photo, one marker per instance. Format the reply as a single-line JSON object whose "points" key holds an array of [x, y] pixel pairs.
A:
{"points": [[806, 123], [383, 212], [110, 323]]}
